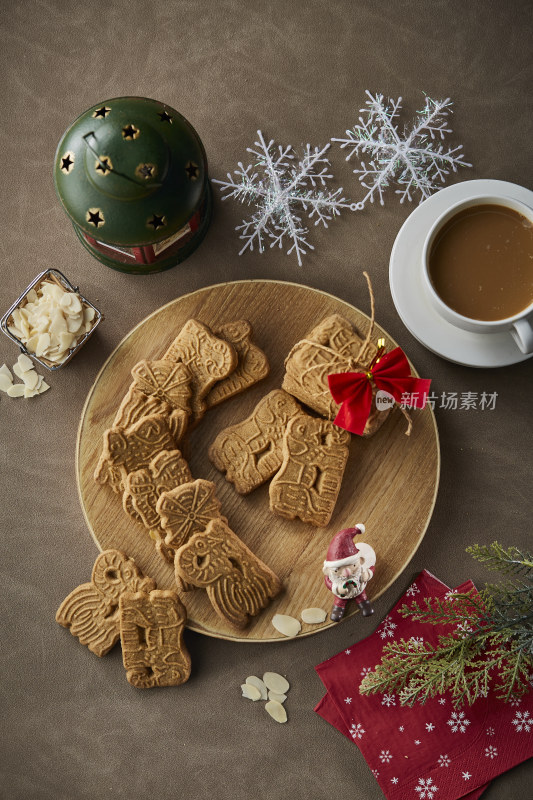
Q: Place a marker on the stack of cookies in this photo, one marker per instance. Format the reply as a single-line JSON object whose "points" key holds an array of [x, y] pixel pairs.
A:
{"points": [[119, 602], [142, 460], [303, 455]]}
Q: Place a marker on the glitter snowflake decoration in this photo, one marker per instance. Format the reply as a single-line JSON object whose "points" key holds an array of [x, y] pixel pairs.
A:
{"points": [[283, 188], [415, 160]]}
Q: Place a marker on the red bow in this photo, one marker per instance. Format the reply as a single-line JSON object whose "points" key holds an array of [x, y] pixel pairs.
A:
{"points": [[353, 390]]}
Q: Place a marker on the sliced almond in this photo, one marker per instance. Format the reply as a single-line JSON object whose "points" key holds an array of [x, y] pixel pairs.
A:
{"points": [[250, 692], [25, 362], [43, 344], [276, 682], [17, 369], [5, 382], [4, 370], [16, 390], [32, 342], [31, 297], [43, 387], [58, 323], [253, 680], [14, 331], [276, 711], [288, 626], [74, 323], [279, 698], [88, 314], [66, 340], [313, 616], [30, 378]]}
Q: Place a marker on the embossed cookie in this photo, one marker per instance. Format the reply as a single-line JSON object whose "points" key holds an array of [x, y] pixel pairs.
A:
{"points": [[237, 582], [168, 381], [250, 451], [332, 346], [252, 364], [338, 333], [133, 448], [209, 359], [143, 487], [90, 612], [307, 485], [151, 632], [184, 511], [137, 405]]}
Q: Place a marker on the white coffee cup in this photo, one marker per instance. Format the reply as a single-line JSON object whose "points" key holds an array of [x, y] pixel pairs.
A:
{"points": [[521, 324]]}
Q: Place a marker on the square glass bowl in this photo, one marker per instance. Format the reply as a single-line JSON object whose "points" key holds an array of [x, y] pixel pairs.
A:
{"points": [[53, 276]]}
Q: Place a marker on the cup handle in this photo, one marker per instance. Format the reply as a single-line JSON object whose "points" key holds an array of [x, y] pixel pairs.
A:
{"points": [[522, 333]]}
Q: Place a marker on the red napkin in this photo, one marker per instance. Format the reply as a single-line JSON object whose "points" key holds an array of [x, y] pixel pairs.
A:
{"points": [[429, 752]]}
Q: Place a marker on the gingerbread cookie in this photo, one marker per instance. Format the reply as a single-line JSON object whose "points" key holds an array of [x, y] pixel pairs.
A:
{"points": [[338, 333], [184, 511], [332, 346], [307, 485], [136, 405], [143, 487], [165, 380], [252, 364], [250, 451], [209, 359], [90, 612], [133, 448], [151, 631], [238, 584], [113, 476]]}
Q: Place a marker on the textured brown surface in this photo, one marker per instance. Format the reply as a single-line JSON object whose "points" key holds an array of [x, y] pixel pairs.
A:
{"points": [[73, 727]]}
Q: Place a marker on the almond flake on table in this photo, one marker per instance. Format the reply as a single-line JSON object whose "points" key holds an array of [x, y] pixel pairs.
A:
{"points": [[313, 616], [276, 711], [253, 680], [279, 698], [250, 692], [288, 626], [33, 383], [276, 682]]}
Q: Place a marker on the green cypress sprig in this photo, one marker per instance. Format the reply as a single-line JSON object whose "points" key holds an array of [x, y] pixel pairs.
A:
{"points": [[493, 639]]}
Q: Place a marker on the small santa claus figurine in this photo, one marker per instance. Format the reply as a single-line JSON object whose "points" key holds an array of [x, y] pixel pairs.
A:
{"points": [[348, 568]]}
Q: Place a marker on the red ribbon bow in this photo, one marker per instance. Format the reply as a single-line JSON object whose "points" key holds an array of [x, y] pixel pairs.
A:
{"points": [[353, 390]]}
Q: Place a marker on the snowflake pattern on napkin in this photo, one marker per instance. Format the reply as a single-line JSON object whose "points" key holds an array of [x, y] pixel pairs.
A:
{"points": [[429, 752]]}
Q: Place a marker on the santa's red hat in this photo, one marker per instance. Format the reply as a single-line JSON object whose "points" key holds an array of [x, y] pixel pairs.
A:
{"points": [[342, 549]]}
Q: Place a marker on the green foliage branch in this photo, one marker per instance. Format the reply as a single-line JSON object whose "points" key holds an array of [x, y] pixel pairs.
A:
{"points": [[492, 640]]}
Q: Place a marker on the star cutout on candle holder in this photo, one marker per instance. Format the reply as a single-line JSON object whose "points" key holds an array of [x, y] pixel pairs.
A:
{"points": [[104, 165], [130, 132], [157, 221], [95, 217], [164, 117], [145, 171], [67, 162], [101, 113], [192, 171]]}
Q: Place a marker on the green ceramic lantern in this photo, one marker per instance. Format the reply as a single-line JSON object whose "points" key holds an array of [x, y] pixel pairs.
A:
{"points": [[131, 173]]}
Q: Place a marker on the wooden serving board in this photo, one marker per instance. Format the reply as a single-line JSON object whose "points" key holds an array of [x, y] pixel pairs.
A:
{"points": [[390, 482]]}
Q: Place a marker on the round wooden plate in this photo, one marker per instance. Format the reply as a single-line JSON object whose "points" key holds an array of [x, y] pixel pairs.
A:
{"points": [[390, 482]]}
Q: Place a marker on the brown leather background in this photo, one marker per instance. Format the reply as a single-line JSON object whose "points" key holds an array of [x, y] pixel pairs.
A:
{"points": [[74, 729]]}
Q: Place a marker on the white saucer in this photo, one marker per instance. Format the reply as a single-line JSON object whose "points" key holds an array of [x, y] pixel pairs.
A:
{"points": [[409, 295]]}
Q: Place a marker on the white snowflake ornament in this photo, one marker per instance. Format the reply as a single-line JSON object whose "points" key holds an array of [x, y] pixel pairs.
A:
{"points": [[415, 160], [283, 188]]}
